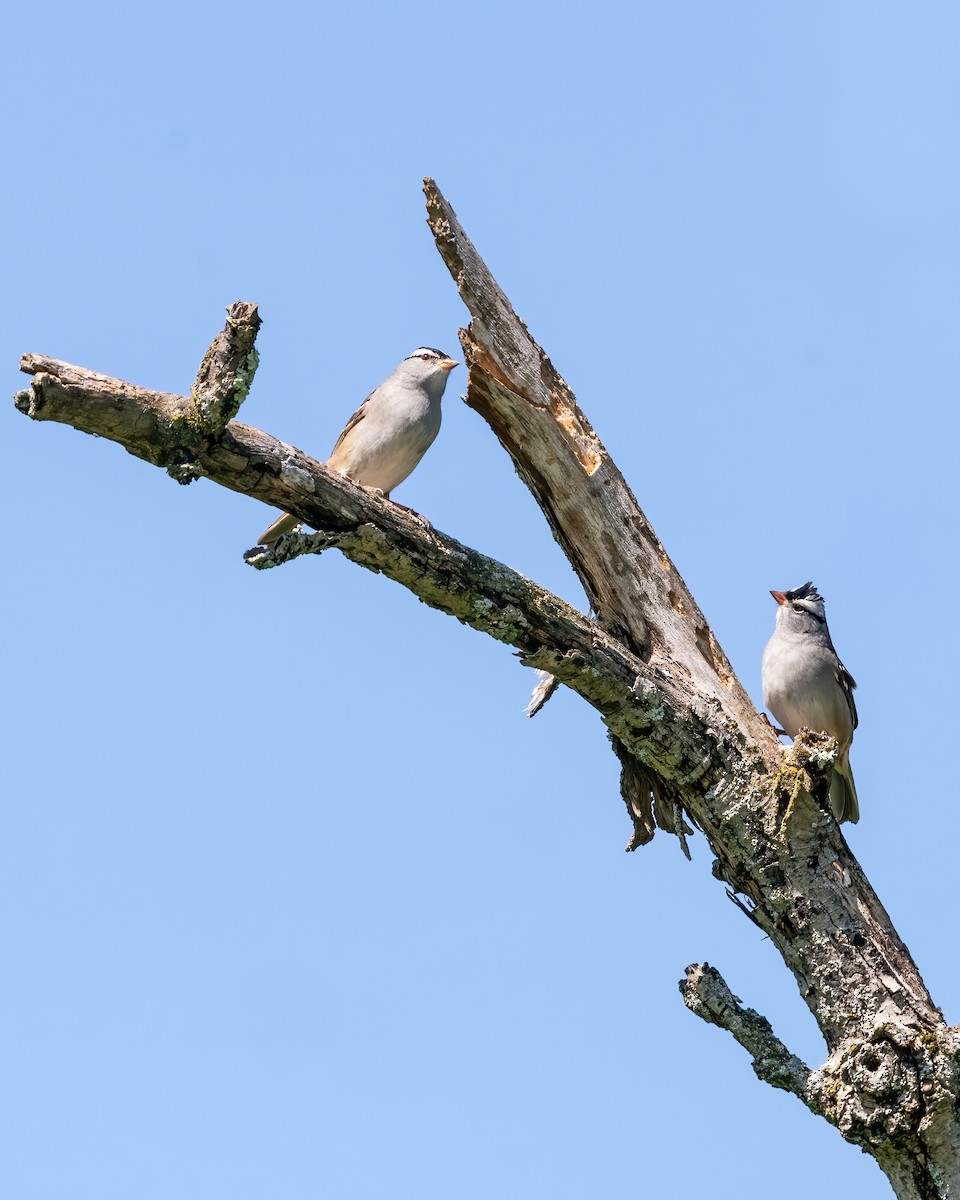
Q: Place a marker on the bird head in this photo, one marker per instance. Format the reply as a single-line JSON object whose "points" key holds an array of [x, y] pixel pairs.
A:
{"points": [[801, 608], [428, 367]]}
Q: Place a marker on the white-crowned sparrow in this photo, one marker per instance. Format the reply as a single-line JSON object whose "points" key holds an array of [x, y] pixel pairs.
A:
{"points": [[805, 685], [391, 430]]}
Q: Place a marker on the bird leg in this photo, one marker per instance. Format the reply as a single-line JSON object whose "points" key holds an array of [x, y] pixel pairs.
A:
{"points": [[413, 513], [382, 495]]}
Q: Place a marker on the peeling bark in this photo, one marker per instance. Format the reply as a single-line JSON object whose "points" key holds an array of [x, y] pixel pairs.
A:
{"points": [[688, 738]]}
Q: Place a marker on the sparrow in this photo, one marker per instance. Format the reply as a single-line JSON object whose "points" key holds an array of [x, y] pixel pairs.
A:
{"points": [[390, 432], [805, 685]]}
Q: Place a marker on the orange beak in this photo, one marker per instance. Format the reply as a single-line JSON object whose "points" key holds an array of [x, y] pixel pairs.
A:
{"points": [[447, 364], [780, 597]]}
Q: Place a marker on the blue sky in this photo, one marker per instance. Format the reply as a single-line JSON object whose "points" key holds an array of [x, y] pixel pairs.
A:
{"points": [[295, 902]]}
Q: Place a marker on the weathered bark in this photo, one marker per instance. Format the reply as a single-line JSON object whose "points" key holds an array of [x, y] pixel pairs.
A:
{"points": [[629, 579], [688, 738]]}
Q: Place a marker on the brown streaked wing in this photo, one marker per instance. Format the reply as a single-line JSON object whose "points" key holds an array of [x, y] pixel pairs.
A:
{"points": [[351, 424]]}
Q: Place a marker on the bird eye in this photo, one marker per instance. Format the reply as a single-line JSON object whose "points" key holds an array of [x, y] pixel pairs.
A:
{"points": [[799, 608], [426, 357]]}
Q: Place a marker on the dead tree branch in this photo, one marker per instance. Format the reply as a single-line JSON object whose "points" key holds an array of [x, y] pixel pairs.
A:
{"points": [[705, 992], [688, 738]]}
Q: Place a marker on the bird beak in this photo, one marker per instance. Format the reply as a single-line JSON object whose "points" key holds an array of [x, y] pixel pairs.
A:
{"points": [[780, 597], [447, 364]]}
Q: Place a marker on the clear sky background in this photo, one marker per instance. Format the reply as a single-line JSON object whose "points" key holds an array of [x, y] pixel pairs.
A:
{"points": [[295, 902]]}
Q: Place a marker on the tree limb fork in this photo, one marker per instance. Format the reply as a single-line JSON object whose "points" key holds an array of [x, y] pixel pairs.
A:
{"points": [[690, 742]]}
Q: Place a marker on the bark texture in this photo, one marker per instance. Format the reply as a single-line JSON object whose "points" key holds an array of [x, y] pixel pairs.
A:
{"points": [[688, 738]]}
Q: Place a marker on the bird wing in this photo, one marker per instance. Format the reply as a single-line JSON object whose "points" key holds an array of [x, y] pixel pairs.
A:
{"points": [[847, 684], [352, 424]]}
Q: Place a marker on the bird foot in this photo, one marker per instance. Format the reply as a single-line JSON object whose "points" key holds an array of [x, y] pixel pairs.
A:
{"points": [[419, 517], [778, 732], [382, 495]]}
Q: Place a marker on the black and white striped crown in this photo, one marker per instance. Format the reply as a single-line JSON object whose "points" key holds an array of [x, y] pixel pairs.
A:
{"points": [[806, 591]]}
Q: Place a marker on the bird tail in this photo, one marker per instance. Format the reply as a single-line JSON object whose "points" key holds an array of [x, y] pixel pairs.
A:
{"points": [[275, 531], [843, 792]]}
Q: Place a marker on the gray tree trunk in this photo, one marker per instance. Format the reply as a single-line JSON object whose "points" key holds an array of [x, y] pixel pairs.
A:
{"points": [[690, 742]]}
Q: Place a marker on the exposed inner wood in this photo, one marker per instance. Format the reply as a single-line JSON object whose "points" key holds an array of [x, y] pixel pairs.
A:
{"points": [[688, 737]]}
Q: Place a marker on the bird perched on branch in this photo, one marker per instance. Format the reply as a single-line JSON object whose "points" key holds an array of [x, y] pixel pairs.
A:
{"points": [[805, 685], [391, 430]]}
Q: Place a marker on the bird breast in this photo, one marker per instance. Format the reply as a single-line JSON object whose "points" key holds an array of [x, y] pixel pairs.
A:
{"points": [[385, 446], [801, 689]]}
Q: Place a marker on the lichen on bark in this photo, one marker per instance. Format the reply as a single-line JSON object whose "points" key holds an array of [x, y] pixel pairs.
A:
{"points": [[694, 753]]}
